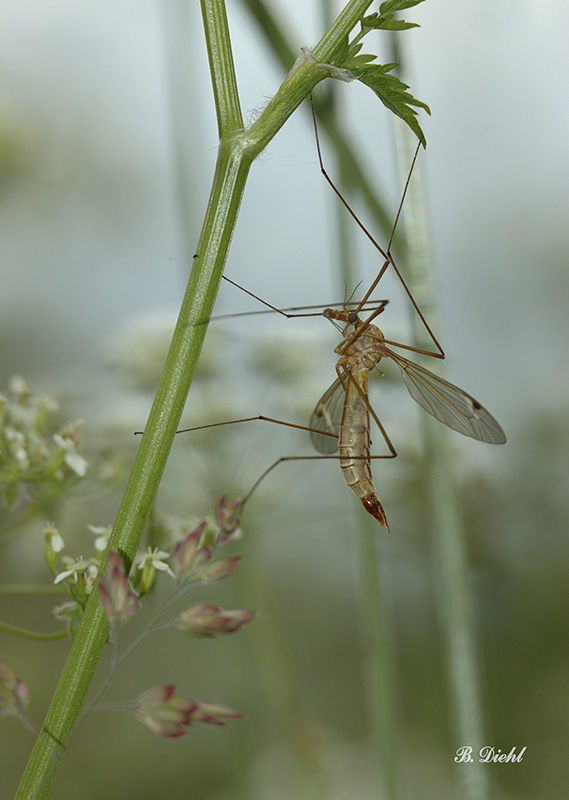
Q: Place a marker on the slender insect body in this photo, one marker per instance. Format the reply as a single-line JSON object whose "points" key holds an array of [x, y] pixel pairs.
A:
{"points": [[354, 445], [360, 350]]}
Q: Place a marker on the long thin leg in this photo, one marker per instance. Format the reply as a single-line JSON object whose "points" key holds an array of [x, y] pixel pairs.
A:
{"points": [[386, 254], [289, 313], [260, 417], [282, 460]]}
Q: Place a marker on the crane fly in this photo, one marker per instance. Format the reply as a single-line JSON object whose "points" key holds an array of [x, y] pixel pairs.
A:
{"points": [[341, 418], [340, 421], [344, 409]]}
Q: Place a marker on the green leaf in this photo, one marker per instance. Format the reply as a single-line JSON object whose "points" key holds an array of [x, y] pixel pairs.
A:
{"points": [[390, 90], [392, 93], [357, 63], [385, 19], [398, 25], [343, 51], [354, 49]]}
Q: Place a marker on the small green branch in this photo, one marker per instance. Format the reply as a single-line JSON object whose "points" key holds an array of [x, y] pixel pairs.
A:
{"points": [[221, 67], [39, 637], [332, 41], [31, 590]]}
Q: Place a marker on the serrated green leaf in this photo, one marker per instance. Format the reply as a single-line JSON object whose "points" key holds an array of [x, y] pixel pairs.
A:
{"points": [[387, 7], [392, 93], [383, 68], [385, 19], [397, 5], [398, 25], [343, 51], [357, 63], [354, 50], [410, 4]]}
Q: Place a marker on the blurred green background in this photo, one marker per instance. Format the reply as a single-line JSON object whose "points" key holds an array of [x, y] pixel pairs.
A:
{"points": [[93, 269]]}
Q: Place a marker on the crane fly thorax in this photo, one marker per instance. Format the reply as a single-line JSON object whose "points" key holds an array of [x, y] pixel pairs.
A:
{"points": [[363, 351]]}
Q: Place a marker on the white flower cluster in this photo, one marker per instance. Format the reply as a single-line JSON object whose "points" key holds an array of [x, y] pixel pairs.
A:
{"points": [[32, 450]]}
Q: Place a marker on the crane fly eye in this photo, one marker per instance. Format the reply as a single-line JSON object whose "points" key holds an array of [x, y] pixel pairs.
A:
{"points": [[352, 318]]}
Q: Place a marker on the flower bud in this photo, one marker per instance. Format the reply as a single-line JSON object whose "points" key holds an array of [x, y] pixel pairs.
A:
{"points": [[54, 544], [227, 516], [118, 599], [211, 620], [14, 694], [163, 712], [220, 569], [167, 714], [213, 713], [188, 556]]}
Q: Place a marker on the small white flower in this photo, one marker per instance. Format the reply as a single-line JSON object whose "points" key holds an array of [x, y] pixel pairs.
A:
{"points": [[91, 577], [76, 463], [22, 458], [63, 442], [18, 385], [56, 539], [155, 558], [74, 567], [17, 442], [102, 533], [13, 435]]}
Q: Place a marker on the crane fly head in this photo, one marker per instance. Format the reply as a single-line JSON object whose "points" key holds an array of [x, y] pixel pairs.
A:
{"points": [[335, 316], [349, 318]]}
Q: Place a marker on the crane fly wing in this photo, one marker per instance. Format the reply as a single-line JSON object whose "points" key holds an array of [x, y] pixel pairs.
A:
{"points": [[327, 416], [448, 403]]}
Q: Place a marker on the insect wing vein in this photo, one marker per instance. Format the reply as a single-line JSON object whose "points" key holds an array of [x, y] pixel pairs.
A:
{"points": [[327, 416], [449, 404]]}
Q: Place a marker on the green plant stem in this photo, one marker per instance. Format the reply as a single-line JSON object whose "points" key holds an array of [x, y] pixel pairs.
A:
{"points": [[237, 151], [32, 590], [25, 634]]}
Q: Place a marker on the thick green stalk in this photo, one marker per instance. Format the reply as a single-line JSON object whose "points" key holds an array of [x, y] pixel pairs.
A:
{"points": [[237, 150]]}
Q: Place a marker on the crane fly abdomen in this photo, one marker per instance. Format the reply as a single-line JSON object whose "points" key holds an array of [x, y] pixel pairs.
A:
{"points": [[354, 445], [344, 411]]}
